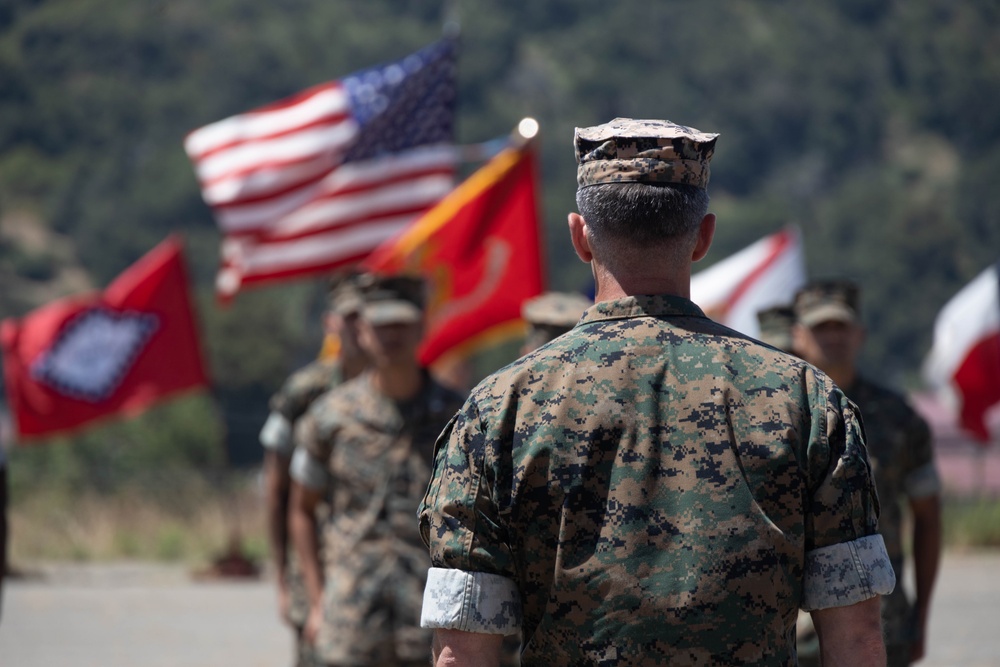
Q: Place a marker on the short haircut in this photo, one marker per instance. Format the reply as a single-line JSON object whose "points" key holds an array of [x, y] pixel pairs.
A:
{"points": [[641, 214]]}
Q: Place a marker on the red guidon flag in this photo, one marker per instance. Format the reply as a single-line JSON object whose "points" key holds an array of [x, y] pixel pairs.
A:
{"points": [[88, 357], [318, 180], [480, 250], [965, 359], [764, 274]]}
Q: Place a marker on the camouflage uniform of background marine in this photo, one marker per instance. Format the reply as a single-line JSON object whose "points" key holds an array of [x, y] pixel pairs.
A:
{"points": [[288, 405], [377, 455], [291, 402], [902, 458], [633, 492]]}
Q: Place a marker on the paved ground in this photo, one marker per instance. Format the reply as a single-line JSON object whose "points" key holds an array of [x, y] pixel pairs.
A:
{"points": [[151, 616]]}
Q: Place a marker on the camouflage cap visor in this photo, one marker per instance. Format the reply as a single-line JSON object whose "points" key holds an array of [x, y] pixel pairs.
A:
{"points": [[395, 311], [643, 151], [828, 312]]}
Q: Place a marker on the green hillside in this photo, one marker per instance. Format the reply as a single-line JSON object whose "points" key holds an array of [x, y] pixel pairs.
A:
{"points": [[872, 125]]}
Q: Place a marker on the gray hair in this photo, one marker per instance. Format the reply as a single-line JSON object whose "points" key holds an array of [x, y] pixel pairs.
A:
{"points": [[626, 221]]}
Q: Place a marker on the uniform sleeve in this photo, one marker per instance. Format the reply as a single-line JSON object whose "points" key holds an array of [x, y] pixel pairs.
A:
{"points": [[922, 479], [470, 586], [313, 442], [276, 435], [846, 560]]}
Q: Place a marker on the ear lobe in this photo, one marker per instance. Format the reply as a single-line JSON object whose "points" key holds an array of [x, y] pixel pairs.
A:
{"points": [[578, 235]]}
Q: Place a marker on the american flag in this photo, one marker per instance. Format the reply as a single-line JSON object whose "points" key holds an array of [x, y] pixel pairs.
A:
{"points": [[318, 180]]}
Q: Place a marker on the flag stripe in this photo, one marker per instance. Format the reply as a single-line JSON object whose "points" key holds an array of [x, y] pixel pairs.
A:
{"points": [[261, 258], [779, 244], [351, 180], [288, 150], [969, 316], [324, 101], [764, 274], [978, 380]]}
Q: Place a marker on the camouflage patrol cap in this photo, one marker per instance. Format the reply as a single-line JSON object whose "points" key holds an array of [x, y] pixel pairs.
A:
{"points": [[643, 151], [344, 295], [391, 299], [776, 326], [828, 300], [552, 314], [559, 309]]}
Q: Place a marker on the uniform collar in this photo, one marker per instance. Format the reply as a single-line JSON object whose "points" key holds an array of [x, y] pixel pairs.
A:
{"points": [[656, 305]]}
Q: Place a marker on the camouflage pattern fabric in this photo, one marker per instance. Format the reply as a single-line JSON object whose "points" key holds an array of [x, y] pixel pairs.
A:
{"points": [[902, 459], [377, 455], [644, 151], [653, 483], [291, 402], [305, 386]]}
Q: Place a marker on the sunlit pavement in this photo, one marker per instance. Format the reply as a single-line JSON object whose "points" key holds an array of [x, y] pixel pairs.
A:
{"points": [[129, 615]]}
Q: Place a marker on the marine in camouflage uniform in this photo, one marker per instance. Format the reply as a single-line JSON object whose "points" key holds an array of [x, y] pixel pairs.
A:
{"points": [[652, 487], [287, 406], [367, 448], [830, 335]]}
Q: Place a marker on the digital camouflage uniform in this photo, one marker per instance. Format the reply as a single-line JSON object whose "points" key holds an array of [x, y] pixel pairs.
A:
{"points": [[287, 406], [902, 459], [371, 456], [651, 488]]}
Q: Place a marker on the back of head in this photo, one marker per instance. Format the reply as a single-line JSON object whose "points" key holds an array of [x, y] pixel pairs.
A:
{"points": [[642, 185]]}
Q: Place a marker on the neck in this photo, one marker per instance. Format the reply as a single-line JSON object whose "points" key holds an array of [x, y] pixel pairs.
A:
{"points": [[351, 366], [610, 286], [843, 376], [398, 381]]}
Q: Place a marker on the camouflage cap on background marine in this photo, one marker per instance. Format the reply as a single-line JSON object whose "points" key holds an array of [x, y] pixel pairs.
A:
{"points": [[344, 294], [643, 151], [828, 301], [552, 314], [776, 326], [391, 299]]}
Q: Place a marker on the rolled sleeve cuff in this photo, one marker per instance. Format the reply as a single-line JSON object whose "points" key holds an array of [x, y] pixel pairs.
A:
{"points": [[923, 482], [471, 602], [276, 435], [847, 573], [307, 471]]}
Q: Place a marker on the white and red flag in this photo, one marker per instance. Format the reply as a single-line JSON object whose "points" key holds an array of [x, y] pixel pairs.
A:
{"points": [[89, 357], [318, 180], [765, 274], [965, 358]]}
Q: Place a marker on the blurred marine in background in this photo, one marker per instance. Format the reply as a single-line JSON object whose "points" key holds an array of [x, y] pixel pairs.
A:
{"points": [[367, 447], [829, 334], [550, 315], [776, 325], [287, 406]]}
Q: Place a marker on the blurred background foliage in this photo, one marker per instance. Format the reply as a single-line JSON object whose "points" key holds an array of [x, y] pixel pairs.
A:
{"points": [[871, 124]]}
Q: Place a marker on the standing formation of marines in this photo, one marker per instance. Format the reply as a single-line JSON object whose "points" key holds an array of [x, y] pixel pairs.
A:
{"points": [[645, 487]]}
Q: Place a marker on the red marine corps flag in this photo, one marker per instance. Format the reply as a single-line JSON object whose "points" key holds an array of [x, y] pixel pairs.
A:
{"points": [[965, 359], [480, 250], [318, 180], [85, 358]]}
